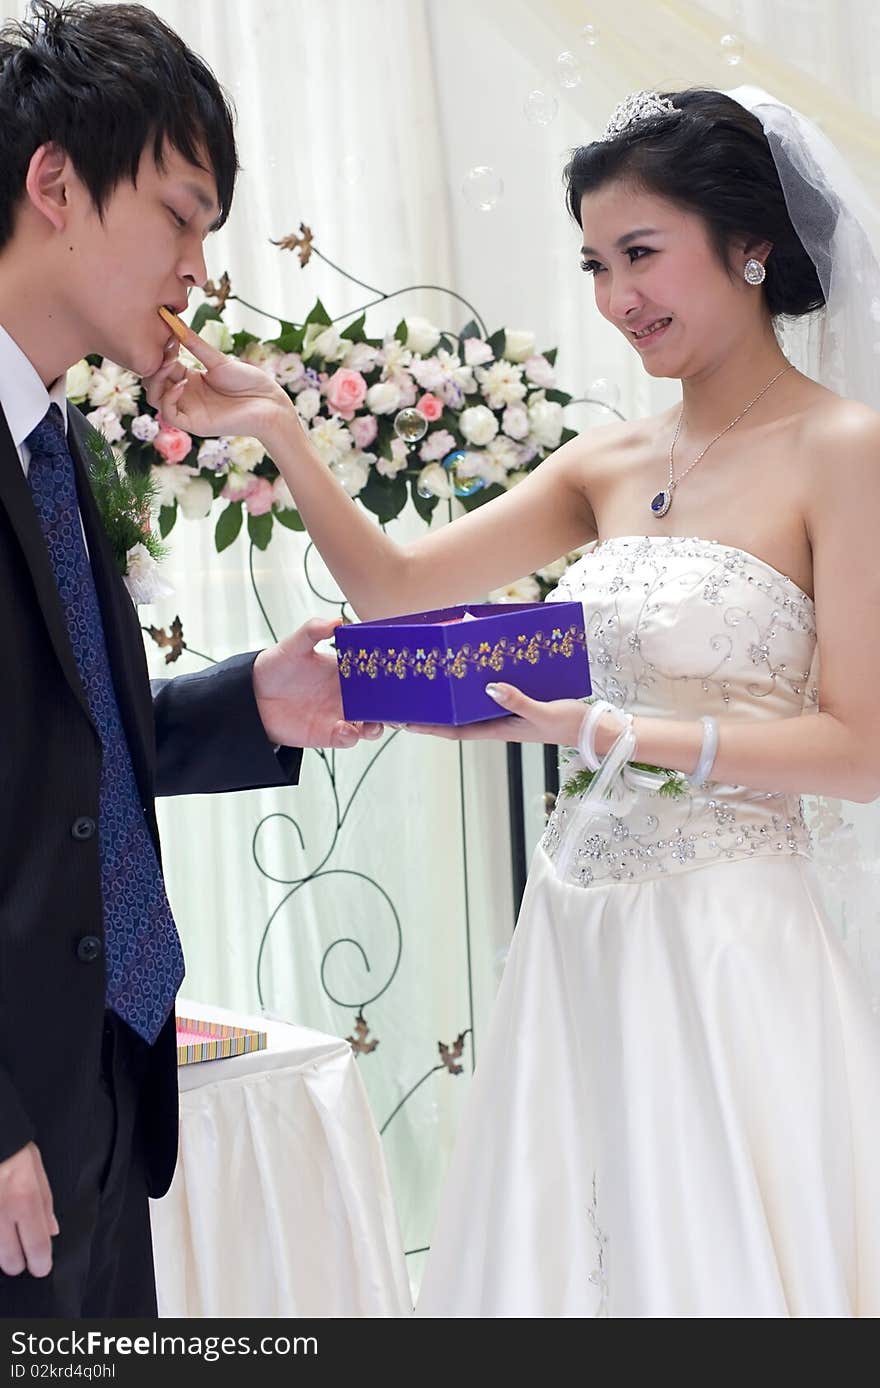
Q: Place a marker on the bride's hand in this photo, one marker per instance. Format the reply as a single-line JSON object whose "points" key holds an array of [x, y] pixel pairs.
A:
{"points": [[554, 721], [229, 397]]}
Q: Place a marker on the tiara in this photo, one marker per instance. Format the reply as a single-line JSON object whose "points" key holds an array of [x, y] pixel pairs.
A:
{"points": [[636, 110]]}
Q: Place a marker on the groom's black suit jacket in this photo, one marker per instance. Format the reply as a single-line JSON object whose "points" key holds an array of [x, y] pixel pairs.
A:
{"points": [[190, 734]]}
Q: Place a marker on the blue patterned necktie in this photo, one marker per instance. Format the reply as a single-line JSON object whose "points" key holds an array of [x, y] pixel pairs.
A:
{"points": [[144, 960]]}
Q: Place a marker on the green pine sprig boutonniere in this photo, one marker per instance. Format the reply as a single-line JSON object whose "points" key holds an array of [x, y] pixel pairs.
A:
{"points": [[125, 499]]}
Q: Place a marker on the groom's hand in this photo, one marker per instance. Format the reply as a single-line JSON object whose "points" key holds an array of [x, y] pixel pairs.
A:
{"points": [[298, 695], [27, 1218], [229, 397]]}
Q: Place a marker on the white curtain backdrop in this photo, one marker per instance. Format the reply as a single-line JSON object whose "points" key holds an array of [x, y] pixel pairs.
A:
{"points": [[363, 120]]}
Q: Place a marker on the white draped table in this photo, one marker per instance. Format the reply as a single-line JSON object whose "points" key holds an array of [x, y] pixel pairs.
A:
{"points": [[280, 1204]]}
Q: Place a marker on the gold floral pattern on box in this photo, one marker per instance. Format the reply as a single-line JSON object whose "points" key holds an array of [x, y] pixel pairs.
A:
{"points": [[455, 664]]}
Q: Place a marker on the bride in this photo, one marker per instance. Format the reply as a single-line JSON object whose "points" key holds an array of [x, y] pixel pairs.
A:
{"points": [[675, 1113]]}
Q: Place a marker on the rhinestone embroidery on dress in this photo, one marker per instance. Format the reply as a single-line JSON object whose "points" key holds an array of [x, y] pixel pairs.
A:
{"points": [[682, 627]]}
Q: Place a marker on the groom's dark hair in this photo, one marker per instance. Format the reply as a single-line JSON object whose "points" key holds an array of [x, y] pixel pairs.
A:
{"points": [[103, 82]]}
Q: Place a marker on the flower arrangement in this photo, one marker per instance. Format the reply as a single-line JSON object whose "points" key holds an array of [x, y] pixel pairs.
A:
{"points": [[418, 413]]}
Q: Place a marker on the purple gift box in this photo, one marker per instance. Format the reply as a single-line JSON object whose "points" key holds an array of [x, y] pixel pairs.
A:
{"points": [[433, 667]]}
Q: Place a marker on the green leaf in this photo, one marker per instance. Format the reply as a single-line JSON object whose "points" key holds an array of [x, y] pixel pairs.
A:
{"points": [[447, 344], [496, 342], [167, 517], [291, 519], [384, 496], [228, 526], [242, 340], [551, 355], [319, 315], [355, 331], [470, 330], [425, 505], [401, 332], [260, 529], [559, 396], [203, 314], [567, 435]]}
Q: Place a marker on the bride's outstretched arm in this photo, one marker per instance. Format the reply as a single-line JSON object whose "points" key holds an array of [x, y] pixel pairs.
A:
{"points": [[543, 517], [833, 752]]}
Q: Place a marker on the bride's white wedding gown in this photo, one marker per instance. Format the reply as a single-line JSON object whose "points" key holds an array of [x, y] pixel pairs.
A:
{"points": [[676, 1110]]}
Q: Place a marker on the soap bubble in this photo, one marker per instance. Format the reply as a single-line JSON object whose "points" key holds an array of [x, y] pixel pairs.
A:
{"points": [[410, 425], [482, 188], [568, 70], [540, 107], [732, 47]]}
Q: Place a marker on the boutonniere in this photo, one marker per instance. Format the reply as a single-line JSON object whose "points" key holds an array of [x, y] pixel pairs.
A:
{"points": [[124, 503]]}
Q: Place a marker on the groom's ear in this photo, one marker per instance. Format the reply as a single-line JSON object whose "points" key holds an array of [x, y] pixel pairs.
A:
{"points": [[48, 184]]}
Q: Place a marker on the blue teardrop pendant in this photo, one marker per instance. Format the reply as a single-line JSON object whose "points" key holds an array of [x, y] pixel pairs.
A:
{"points": [[661, 503]]}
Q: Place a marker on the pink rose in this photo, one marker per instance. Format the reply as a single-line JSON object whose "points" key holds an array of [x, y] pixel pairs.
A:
{"points": [[261, 498], [364, 428], [345, 392], [239, 486], [172, 444], [430, 407]]}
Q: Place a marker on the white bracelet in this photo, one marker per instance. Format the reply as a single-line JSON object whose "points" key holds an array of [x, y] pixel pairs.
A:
{"points": [[587, 734], [708, 752]]}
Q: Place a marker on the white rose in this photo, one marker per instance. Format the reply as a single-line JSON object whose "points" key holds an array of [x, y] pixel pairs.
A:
{"points": [[513, 479], [245, 453], [352, 472], [197, 499], [478, 425], [308, 402], [521, 590], [324, 342], [539, 371], [421, 336], [515, 421], [518, 345], [545, 420], [142, 576], [282, 495], [79, 378], [145, 428], [476, 351], [435, 479], [383, 398], [106, 421], [215, 332]]}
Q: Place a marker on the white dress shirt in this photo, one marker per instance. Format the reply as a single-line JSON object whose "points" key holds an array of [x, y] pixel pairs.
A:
{"points": [[23, 396]]}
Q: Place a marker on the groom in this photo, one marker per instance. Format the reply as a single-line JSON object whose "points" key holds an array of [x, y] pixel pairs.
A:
{"points": [[117, 157]]}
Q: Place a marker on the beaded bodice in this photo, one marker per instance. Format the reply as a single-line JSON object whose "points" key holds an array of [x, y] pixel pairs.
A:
{"points": [[679, 628]]}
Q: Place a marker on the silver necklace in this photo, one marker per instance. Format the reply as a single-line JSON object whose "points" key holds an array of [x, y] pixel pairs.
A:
{"points": [[662, 502]]}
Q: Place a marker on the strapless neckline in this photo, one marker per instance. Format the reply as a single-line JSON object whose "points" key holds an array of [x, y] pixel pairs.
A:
{"points": [[596, 545]]}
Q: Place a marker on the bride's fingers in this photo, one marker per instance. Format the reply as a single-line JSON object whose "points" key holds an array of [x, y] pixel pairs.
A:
{"points": [[209, 356], [168, 405]]}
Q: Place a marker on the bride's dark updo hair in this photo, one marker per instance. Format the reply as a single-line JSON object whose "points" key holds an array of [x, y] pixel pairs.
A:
{"points": [[713, 159]]}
